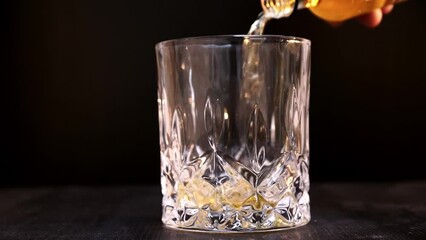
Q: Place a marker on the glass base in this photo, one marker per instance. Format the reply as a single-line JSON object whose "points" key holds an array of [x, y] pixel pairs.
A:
{"points": [[238, 200], [235, 231], [205, 209]]}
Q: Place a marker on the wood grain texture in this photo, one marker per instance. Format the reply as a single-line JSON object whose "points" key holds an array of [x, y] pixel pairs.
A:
{"points": [[339, 211]]}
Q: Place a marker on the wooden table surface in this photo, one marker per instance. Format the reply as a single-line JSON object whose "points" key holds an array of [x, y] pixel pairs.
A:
{"points": [[339, 211]]}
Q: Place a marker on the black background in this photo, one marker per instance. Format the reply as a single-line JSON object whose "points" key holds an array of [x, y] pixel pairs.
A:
{"points": [[78, 88]]}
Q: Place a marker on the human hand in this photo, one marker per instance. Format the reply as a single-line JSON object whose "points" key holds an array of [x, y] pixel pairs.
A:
{"points": [[372, 19]]}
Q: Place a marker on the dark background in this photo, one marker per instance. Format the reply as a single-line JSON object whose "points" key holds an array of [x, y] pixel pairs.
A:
{"points": [[78, 88]]}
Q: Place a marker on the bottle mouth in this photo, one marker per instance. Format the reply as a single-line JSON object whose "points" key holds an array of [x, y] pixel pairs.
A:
{"points": [[279, 8]]}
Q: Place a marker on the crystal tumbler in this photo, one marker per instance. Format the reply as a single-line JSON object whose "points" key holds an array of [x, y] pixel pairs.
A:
{"points": [[234, 132]]}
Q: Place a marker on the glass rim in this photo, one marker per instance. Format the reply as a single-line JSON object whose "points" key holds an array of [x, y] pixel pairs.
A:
{"points": [[208, 39]]}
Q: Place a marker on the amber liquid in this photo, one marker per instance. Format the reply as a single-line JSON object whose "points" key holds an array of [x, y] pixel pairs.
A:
{"points": [[330, 10], [340, 10]]}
